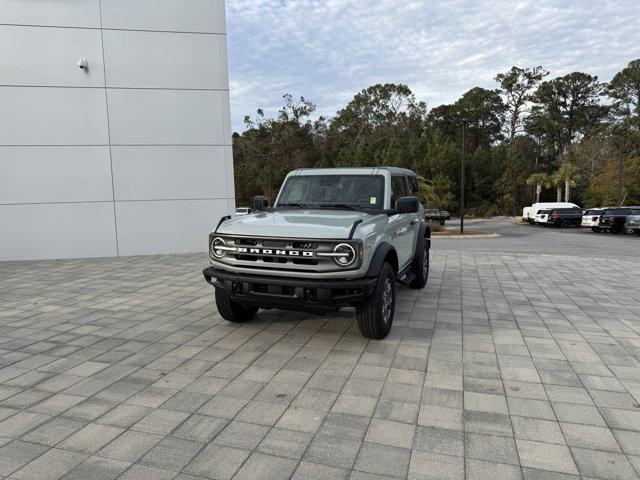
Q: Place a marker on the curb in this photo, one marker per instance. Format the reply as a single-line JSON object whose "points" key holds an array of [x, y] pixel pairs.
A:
{"points": [[463, 237]]}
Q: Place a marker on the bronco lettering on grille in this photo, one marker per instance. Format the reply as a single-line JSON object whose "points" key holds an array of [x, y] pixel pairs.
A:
{"points": [[277, 252]]}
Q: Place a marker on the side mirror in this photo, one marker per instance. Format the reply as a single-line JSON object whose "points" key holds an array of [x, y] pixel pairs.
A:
{"points": [[408, 204], [260, 202]]}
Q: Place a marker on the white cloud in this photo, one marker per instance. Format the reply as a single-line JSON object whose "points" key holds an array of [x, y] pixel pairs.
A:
{"points": [[328, 50]]}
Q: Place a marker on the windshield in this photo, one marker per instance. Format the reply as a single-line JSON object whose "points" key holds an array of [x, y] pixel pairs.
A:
{"points": [[325, 191]]}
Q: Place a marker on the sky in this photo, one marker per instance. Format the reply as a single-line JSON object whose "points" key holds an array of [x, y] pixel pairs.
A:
{"points": [[328, 50]]}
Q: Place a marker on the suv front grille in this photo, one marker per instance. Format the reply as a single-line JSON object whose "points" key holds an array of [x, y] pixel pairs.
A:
{"points": [[280, 254]]}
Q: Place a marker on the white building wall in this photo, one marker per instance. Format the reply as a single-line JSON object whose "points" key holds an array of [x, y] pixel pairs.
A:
{"points": [[131, 157]]}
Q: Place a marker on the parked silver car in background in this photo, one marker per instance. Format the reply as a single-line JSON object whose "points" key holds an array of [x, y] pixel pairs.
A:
{"points": [[632, 225]]}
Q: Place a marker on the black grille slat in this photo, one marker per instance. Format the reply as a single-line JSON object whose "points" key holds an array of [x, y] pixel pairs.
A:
{"points": [[275, 243]]}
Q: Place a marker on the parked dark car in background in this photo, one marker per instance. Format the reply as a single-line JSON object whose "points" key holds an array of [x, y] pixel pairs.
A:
{"points": [[613, 219], [632, 223], [433, 215], [560, 217]]}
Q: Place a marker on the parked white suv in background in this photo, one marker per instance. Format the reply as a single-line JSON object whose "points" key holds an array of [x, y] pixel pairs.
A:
{"points": [[242, 211], [591, 217], [542, 217]]}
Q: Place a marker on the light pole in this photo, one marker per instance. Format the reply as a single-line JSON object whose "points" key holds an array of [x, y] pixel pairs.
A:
{"points": [[462, 184], [620, 169]]}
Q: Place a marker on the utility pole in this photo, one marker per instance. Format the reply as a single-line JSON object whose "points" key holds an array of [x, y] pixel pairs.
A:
{"points": [[462, 184]]}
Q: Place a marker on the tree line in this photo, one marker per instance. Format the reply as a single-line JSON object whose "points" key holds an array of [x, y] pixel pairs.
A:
{"points": [[531, 138]]}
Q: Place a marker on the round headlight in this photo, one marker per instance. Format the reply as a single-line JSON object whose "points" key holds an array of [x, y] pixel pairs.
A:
{"points": [[217, 252], [347, 254]]}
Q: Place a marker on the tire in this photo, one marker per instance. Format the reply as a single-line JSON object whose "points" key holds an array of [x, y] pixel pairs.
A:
{"points": [[233, 311], [375, 313], [565, 224], [628, 231], [421, 267], [596, 229]]}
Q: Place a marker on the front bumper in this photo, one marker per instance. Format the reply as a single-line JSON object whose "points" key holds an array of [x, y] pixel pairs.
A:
{"points": [[290, 293]]}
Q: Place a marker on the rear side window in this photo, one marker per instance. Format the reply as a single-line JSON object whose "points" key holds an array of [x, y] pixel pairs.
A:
{"points": [[617, 211], [398, 189], [413, 186]]}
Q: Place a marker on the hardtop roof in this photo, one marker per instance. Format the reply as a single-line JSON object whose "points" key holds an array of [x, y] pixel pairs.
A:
{"points": [[363, 170]]}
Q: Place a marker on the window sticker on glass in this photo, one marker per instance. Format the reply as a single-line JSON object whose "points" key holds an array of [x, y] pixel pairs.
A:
{"points": [[372, 200]]}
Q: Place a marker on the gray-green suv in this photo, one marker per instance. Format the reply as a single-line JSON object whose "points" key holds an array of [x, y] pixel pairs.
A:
{"points": [[334, 238]]}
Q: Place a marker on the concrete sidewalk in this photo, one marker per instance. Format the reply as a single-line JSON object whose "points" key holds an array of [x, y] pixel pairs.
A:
{"points": [[501, 368]]}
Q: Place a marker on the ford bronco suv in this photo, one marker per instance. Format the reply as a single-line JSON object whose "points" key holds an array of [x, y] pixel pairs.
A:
{"points": [[333, 238]]}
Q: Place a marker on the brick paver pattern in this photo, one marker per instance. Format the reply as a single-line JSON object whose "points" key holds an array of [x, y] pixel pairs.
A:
{"points": [[503, 367]]}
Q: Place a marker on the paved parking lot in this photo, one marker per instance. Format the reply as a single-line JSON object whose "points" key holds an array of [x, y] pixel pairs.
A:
{"points": [[503, 367]]}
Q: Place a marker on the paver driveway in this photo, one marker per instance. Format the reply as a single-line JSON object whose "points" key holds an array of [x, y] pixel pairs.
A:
{"points": [[501, 368]]}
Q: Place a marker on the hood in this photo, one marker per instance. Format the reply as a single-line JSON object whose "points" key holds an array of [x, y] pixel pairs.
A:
{"points": [[304, 223]]}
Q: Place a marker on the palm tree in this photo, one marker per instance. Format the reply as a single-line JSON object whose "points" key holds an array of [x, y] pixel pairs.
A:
{"points": [[428, 195], [568, 174], [556, 181], [538, 180]]}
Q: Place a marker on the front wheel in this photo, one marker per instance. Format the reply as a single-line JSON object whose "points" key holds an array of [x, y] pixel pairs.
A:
{"points": [[233, 311], [596, 229], [565, 223], [375, 313]]}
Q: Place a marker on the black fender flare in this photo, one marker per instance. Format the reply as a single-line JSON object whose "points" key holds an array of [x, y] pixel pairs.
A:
{"points": [[424, 232], [379, 255], [424, 235]]}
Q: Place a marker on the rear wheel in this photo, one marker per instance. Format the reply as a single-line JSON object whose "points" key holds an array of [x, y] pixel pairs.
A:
{"points": [[421, 266], [233, 311], [628, 230], [375, 313], [565, 223]]}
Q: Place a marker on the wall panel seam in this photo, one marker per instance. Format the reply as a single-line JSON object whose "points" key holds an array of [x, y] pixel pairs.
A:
{"points": [[72, 202], [106, 100], [118, 145], [76, 27], [99, 87]]}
